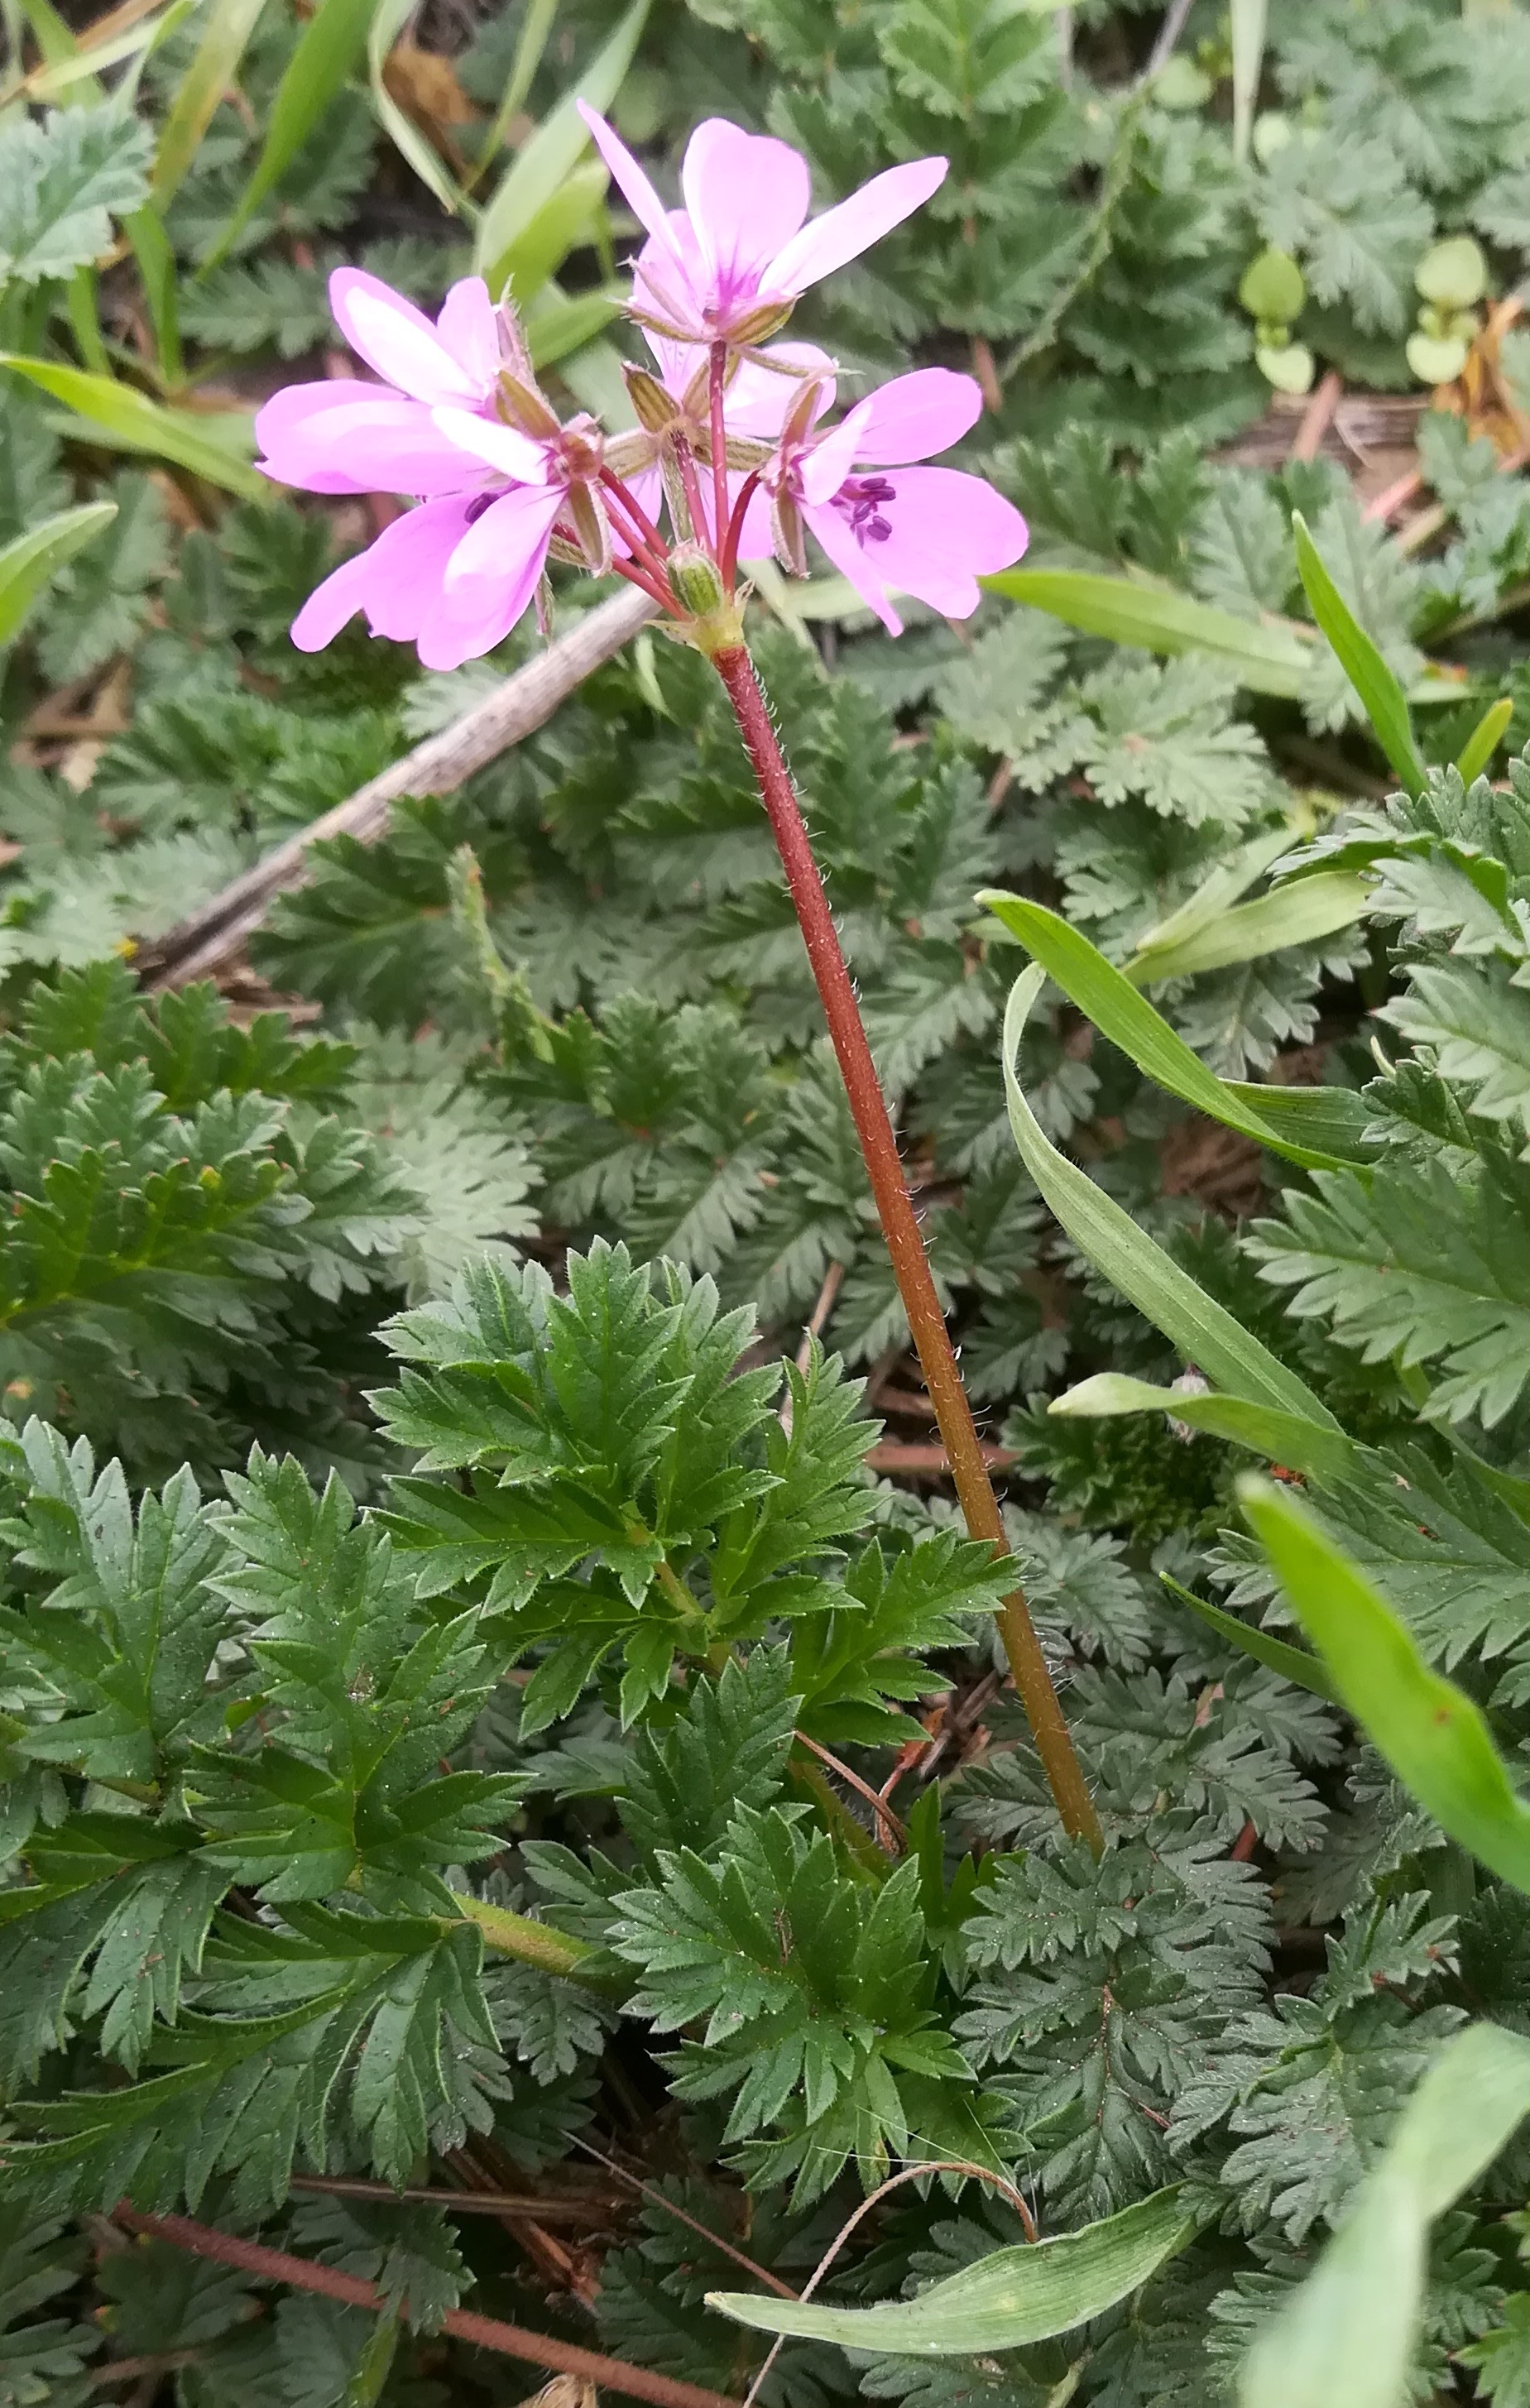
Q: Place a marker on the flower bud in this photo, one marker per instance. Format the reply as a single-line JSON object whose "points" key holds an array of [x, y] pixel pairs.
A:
{"points": [[522, 405], [592, 528], [694, 575], [757, 325]]}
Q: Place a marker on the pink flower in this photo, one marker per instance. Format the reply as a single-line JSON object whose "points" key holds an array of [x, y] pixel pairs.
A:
{"points": [[453, 576], [740, 253], [928, 532], [347, 435]]}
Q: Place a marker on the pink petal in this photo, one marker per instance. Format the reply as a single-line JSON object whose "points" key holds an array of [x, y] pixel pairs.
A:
{"points": [[343, 592], [755, 540], [503, 448], [916, 416], [344, 437], [855, 560], [469, 328], [670, 280], [944, 531], [395, 337], [644, 201], [393, 580], [826, 467], [842, 234], [759, 398], [449, 636], [489, 578], [504, 545], [746, 195]]}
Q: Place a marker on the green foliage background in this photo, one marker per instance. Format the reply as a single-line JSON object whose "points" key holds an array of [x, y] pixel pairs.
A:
{"points": [[420, 1527]]}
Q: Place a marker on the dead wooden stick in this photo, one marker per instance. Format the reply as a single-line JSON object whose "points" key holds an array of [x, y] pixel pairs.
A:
{"points": [[211, 936]]}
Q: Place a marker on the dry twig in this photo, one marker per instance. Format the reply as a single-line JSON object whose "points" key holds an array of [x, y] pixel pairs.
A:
{"points": [[210, 936]]}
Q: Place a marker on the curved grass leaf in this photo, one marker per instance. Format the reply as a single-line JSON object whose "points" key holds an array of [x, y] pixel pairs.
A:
{"points": [[229, 26], [1206, 1335], [1485, 738], [1297, 913], [388, 21], [1129, 1020], [330, 45], [1323, 1120], [535, 30], [1223, 885], [145, 231], [1433, 1735], [560, 323], [215, 445], [1287, 1439], [1386, 705], [28, 562], [536, 174], [1007, 2300], [1351, 2333], [1293, 1663], [1268, 659]]}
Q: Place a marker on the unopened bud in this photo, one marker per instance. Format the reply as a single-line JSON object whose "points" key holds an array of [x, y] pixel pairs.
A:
{"points": [[522, 405], [758, 326], [657, 410], [694, 575], [592, 528], [786, 535]]}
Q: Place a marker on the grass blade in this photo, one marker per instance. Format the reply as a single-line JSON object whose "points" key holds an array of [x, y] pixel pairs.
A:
{"points": [[528, 58], [1287, 1439], [230, 24], [1297, 913], [1433, 1735], [1485, 738], [1266, 659], [330, 45], [215, 445], [1293, 1663], [1351, 2333], [27, 563], [1247, 31], [536, 174], [1129, 1020], [388, 23], [1007, 2300], [1385, 703], [1205, 1334]]}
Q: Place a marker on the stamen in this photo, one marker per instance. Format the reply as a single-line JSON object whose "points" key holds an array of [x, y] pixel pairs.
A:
{"points": [[859, 500]]}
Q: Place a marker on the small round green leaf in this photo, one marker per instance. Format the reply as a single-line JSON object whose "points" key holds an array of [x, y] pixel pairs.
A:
{"points": [[1290, 367], [1436, 359], [1453, 273], [1181, 85], [1273, 288], [1272, 131]]}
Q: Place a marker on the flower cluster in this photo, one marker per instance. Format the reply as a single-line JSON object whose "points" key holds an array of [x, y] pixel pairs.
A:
{"points": [[731, 441]]}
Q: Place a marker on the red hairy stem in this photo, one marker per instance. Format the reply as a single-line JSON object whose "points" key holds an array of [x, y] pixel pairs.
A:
{"points": [[717, 380], [900, 1228], [485, 2332]]}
